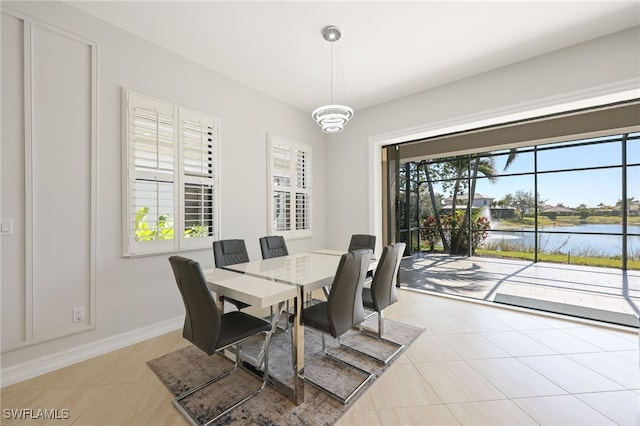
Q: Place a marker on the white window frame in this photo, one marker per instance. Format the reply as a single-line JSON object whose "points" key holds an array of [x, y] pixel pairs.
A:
{"points": [[173, 175], [276, 142]]}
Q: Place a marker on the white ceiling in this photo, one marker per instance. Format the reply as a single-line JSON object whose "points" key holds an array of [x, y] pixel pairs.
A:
{"points": [[389, 49]]}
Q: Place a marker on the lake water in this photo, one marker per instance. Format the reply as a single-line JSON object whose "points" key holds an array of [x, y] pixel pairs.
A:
{"points": [[576, 244]]}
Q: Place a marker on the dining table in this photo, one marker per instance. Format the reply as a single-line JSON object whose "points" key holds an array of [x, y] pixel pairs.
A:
{"points": [[270, 282]]}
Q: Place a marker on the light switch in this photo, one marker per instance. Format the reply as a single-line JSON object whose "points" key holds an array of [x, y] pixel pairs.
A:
{"points": [[6, 227]]}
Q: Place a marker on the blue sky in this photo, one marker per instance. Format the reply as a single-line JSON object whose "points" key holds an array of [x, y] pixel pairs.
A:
{"points": [[570, 188]]}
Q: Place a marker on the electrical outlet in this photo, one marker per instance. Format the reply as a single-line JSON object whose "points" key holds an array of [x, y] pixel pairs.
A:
{"points": [[6, 227], [78, 314]]}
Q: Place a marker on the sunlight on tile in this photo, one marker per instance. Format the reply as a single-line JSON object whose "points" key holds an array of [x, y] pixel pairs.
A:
{"points": [[515, 379], [560, 341], [363, 403], [457, 381], [606, 339], [565, 410], [519, 320], [429, 348], [611, 366], [517, 344], [436, 415], [402, 386], [359, 418], [472, 346], [570, 375], [631, 356], [442, 324], [482, 322], [622, 407], [490, 413]]}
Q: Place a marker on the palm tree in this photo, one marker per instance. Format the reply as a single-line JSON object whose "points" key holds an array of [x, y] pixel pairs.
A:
{"points": [[630, 202], [458, 167]]}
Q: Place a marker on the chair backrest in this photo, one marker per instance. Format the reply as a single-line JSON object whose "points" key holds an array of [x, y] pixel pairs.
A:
{"points": [[362, 241], [229, 252], [202, 319], [273, 246], [383, 286], [344, 305]]}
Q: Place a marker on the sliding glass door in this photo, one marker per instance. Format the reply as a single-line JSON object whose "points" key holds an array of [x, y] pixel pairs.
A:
{"points": [[574, 200]]}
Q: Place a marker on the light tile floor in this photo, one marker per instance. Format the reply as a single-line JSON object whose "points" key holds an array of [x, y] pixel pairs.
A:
{"points": [[479, 363], [476, 363]]}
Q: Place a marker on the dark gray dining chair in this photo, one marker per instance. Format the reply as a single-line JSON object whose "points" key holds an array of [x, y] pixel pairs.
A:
{"points": [[382, 291], [230, 252], [362, 241], [211, 332], [273, 246], [343, 309]]}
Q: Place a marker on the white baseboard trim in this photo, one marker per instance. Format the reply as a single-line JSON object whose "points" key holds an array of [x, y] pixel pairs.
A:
{"points": [[27, 370]]}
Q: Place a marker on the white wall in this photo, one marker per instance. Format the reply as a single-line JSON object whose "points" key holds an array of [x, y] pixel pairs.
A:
{"points": [[136, 293], [580, 74]]}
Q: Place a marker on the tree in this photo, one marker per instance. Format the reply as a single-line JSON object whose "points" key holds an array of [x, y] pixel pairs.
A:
{"points": [[630, 202], [524, 202], [457, 175], [506, 201]]}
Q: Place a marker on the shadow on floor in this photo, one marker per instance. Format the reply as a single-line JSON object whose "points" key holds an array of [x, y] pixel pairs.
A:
{"points": [[586, 290]]}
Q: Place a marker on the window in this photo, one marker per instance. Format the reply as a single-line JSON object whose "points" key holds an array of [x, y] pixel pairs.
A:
{"points": [[170, 179], [289, 188], [574, 202]]}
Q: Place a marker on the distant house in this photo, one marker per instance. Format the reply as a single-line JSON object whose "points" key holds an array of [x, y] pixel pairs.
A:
{"points": [[479, 201], [554, 211]]}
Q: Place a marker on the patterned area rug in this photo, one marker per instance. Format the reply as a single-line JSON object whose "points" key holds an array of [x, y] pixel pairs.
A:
{"points": [[188, 367]]}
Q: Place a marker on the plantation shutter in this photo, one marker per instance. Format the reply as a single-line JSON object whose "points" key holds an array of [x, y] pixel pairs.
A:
{"points": [[171, 186], [290, 188], [303, 190], [152, 171], [199, 139], [281, 185]]}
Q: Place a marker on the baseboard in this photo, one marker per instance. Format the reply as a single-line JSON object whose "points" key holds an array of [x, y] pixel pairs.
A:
{"points": [[617, 318], [27, 370]]}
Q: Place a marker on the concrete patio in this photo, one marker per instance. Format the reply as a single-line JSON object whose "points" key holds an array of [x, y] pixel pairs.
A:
{"points": [[483, 278]]}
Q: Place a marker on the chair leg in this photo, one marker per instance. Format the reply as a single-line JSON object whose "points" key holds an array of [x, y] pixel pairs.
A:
{"points": [[378, 336], [177, 402], [361, 327], [346, 364]]}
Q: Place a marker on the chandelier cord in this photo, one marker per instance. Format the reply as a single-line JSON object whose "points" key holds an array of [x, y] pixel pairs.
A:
{"points": [[331, 73], [333, 117]]}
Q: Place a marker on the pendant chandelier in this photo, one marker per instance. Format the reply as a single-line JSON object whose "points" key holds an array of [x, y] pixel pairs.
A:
{"points": [[333, 117]]}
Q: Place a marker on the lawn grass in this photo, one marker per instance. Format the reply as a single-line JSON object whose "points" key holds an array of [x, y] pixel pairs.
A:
{"points": [[604, 262], [544, 221]]}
